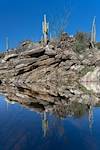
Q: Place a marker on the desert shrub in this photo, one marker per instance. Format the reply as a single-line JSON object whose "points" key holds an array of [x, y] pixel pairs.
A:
{"points": [[82, 42], [25, 42], [79, 47], [98, 45], [82, 37], [85, 70]]}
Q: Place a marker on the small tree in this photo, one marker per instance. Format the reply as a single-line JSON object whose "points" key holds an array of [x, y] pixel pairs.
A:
{"points": [[59, 23]]}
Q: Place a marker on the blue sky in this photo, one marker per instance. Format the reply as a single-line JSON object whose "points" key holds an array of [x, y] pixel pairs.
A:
{"points": [[21, 19]]}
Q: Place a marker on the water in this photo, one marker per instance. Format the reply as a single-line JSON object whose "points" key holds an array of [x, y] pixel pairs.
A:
{"points": [[23, 129]]}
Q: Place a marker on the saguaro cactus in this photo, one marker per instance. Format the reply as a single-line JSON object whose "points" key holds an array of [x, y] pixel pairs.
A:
{"points": [[7, 43], [45, 26], [93, 32]]}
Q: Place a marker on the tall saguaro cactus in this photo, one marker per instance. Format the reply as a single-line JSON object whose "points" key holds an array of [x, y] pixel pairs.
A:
{"points": [[93, 32], [7, 43], [45, 27]]}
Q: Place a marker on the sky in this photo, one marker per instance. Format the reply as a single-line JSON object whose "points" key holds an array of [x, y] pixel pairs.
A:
{"points": [[22, 19]]}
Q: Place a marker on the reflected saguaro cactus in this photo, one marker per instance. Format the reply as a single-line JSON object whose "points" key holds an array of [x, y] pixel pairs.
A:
{"points": [[90, 117], [90, 113], [44, 124]]}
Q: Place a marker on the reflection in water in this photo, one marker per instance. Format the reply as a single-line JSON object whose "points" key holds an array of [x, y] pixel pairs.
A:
{"points": [[44, 123], [90, 111], [63, 127], [90, 116], [9, 102]]}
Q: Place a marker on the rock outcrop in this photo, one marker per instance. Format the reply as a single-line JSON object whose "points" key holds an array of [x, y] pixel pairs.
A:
{"points": [[48, 75]]}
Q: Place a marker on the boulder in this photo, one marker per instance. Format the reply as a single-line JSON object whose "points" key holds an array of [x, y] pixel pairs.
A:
{"points": [[10, 56], [49, 51], [34, 52]]}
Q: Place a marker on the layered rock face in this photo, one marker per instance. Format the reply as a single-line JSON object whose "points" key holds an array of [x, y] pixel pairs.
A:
{"points": [[48, 75]]}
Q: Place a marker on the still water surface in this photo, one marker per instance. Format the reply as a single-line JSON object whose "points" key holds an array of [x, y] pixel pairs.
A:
{"points": [[22, 129]]}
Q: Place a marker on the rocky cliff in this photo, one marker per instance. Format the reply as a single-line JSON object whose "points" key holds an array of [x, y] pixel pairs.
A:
{"points": [[50, 75]]}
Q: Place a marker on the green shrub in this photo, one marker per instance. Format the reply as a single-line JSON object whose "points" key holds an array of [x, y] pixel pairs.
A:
{"points": [[82, 42], [98, 45], [79, 47], [82, 37]]}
